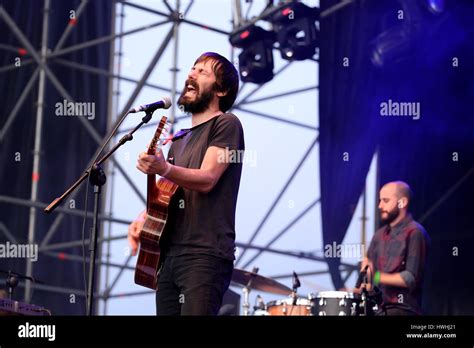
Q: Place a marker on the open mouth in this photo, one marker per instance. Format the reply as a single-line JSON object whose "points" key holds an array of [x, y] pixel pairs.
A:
{"points": [[190, 89]]}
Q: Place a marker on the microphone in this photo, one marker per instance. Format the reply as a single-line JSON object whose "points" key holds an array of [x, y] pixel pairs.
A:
{"points": [[362, 274], [164, 103]]}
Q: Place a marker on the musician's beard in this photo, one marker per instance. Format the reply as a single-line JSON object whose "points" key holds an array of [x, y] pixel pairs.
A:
{"points": [[391, 215], [201, 100]]}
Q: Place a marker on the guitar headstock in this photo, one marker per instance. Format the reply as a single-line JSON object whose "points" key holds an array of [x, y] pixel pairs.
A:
{"points": [[156, 142]]}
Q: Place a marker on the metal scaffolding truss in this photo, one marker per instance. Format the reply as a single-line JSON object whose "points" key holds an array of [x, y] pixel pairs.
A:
{"points": [[43, 58]]}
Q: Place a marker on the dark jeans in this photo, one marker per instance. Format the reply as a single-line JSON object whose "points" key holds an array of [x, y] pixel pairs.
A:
{"points": [[192, 285]]}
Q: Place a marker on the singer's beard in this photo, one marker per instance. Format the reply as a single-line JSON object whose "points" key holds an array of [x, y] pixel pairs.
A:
{"points": [[200, 103]]}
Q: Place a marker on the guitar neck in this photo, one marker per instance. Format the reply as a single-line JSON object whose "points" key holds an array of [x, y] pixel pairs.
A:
{"points": [[154, 146], [151, 187]]}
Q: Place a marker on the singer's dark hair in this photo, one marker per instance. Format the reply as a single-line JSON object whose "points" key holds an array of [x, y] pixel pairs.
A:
{"points": [[227, 78]]}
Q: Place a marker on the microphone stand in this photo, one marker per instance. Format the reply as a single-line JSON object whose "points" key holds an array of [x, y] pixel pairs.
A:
{"points": [[97, 178]]}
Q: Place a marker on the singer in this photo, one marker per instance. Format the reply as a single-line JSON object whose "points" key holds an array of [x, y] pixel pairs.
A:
{"points": [[397, 253], [199, 249]]}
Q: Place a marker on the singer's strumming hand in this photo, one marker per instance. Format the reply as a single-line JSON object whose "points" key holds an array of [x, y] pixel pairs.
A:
{"points": [[134, 230]]}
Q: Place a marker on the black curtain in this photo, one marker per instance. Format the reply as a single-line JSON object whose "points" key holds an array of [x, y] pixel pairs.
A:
{"points": [[66, 145], [348, 130], [434, 154]]}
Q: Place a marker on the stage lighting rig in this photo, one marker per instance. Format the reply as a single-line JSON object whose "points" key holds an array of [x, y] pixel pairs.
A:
{"points": [[296, 31], [256, 59]]}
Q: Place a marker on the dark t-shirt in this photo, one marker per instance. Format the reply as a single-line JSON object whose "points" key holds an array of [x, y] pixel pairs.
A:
{"points": [[205, 222]]}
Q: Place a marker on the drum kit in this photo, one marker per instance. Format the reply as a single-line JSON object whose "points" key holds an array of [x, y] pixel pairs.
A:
{"points": [[325, 303]]}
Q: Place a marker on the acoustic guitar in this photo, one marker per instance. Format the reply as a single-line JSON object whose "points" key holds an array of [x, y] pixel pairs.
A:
{"points": [[159, 195]]}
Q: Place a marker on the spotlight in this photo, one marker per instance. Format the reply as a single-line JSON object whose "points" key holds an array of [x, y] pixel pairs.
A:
{"points": [[256, 58], [296, 32], [391, 46], [435, 6], [399, 42]]}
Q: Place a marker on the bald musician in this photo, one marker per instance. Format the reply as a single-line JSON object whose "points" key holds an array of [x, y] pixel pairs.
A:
{"points": [[397, 253]]}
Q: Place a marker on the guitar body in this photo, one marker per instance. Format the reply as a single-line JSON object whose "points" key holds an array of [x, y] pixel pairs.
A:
{"points": [[159, 195], [149, 258]]}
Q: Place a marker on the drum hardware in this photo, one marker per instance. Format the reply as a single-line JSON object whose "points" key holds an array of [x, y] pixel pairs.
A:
{"points": [[260, 308], [260, 305], [246, 290], [252, 280], [291, 306], [259, 282], [296, 285], [371, 301], [340, 303], [364, 302], [354, 309], [287, 308]]}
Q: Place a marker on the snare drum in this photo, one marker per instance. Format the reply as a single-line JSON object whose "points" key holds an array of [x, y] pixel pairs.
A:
{"points": [[286, 307], [335, 303]]}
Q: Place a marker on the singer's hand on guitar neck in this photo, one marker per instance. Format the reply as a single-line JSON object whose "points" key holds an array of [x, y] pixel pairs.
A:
{"points": [[152, 164], [134, 233]]}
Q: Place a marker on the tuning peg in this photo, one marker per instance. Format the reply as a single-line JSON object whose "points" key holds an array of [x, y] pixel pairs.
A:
{"points": [[168, 139], [169, 126]]}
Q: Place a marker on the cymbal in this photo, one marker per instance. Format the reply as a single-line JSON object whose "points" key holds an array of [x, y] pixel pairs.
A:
{"points": [[259, 282]]}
